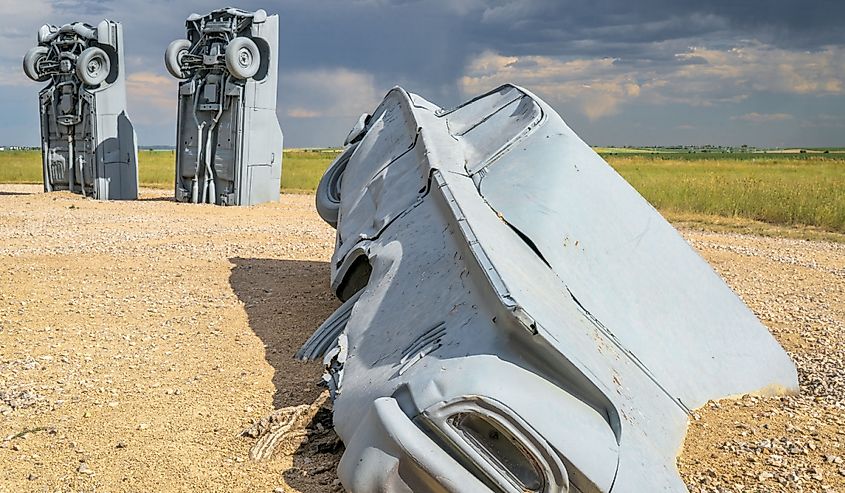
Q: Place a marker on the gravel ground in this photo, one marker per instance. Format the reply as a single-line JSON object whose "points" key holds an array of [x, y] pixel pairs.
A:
{"points": [[797, 288], [146, 346]]}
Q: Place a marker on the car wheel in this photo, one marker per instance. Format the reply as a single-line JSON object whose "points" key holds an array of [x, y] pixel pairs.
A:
{"points": [[93, 66], [31, 61], [328, 191], [242, 58], [173, 57]]}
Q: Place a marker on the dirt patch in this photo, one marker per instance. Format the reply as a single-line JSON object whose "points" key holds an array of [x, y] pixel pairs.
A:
{"points": [[139, 340]]}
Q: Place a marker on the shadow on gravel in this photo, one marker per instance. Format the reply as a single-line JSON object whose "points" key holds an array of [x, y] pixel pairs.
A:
{"points": [[285, 301], [17, 193]]}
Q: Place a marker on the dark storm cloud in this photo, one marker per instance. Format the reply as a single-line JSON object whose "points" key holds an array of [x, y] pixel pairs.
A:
{"points": [[430, 43], [400, 42], [338, 57], [608, 26]]}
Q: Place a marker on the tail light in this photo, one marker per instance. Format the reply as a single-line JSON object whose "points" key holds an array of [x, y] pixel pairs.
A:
{"points": [[498, 446]]}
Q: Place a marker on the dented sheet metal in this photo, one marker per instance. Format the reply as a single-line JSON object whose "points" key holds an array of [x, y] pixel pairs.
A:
{"points": [[517, 317]]}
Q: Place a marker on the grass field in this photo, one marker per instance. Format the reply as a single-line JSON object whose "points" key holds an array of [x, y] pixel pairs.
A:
{"points": [[301, 170], [748, 192], [796, 189]]}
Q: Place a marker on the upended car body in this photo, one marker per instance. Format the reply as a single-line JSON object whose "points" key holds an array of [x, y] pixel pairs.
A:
{"points": [[516, 317], [228, 138], [88, 143]]}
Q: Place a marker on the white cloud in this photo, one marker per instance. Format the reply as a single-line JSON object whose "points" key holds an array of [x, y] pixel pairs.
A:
{"points": [[824, 120], [25, 11], [702, 77], [151, 97], [329, 92], [595, 85], [755, 117], [765, 68], [17, 35], [302, 113]]}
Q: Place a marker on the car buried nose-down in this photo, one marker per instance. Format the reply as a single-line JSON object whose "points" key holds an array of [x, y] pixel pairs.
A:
{"points": [[516, 317]]}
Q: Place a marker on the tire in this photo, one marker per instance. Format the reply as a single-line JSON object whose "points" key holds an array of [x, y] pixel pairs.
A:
{"points": [[31, 60], [173, 57], [93, 66], [242, 58], [328, 191]]}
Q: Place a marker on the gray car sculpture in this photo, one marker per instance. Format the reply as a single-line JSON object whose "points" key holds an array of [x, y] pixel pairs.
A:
{"points": [[516, 317], [88, 143], [228, 138]]}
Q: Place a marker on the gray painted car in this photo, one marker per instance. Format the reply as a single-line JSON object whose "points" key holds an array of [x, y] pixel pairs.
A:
{"points": [[516, 317], [88, 143], [228, 138]]}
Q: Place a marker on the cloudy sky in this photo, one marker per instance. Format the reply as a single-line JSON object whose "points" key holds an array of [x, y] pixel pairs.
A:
{"points": [[620, 72]]}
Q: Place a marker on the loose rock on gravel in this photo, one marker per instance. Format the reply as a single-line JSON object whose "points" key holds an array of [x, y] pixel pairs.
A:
{"points": [[147, 346]]}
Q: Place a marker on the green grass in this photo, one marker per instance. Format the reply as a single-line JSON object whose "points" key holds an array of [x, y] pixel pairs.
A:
{"points": [[156, 168], [793, 190], [20, 167], [744, 192], [629, 150], [301, 170]]}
